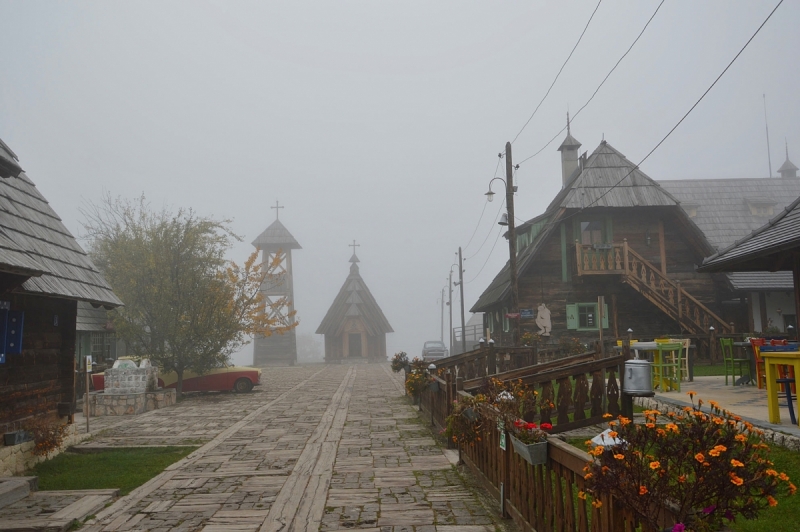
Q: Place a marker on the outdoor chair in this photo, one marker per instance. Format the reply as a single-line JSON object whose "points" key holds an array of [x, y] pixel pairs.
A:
{"points": [[730, 360], [685, 342], [667, 366], [761, 375], [788, 384]]}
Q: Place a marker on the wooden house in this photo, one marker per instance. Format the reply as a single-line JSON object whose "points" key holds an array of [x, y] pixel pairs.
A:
{"points": [[94, 335], [355, 327], [43, 275], [728, 210], [614, 232]]}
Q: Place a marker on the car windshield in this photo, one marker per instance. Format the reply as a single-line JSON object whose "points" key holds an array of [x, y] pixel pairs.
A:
{"points": [[434, 344]]}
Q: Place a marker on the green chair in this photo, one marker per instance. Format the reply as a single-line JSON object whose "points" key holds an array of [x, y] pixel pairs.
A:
{"points": [[730, 361], [667, 366]]}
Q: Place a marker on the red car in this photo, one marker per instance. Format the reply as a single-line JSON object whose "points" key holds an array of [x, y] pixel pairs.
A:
{"points": [[236, 378]]}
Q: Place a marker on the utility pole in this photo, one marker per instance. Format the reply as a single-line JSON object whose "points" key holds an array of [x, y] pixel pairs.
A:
{"points": [[442, 335], [512, 243], [461, 286], [450, 304]]}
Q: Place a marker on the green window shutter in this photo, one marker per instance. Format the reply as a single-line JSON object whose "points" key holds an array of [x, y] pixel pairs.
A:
{"points": [[605, 315], [572, 316]]}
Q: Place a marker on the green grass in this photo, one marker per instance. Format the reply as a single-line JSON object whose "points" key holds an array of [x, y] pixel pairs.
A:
{"points": [[709, 370], [125, 469]]}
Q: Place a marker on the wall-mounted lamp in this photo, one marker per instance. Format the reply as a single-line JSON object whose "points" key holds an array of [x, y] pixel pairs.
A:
{"points": [[647, 237]]}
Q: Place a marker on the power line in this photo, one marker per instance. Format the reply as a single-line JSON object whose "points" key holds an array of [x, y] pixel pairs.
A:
{"points": [[599, 86], [496, 240], [684, 116], [559, 73], [490, 231], [499, 158]]}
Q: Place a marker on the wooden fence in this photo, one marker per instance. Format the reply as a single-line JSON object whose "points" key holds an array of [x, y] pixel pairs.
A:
{"points": [[581, 388]]}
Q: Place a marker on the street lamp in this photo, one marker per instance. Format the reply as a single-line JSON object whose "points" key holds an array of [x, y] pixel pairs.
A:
{"points": [[508, 220]]}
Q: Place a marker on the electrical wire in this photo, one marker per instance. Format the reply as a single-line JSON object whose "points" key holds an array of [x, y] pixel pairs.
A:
{"points": [[499, 158], [599, 86], [490, 231], [496, 240], [558, 74], [636, 167]]}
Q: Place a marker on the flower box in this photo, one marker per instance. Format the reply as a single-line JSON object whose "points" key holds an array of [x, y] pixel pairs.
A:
{"points": [[17, 437], [433, 386], [533, 453]]}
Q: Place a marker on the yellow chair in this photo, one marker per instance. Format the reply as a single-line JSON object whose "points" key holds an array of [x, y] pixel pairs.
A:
{"points": [[685, 342], [667, 366]]}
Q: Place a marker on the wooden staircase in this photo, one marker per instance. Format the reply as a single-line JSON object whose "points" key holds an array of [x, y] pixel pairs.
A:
{"points": [[648, 280]]}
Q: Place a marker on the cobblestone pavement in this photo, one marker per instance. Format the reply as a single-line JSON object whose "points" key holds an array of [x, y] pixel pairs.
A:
{"points": [[316, 448]]}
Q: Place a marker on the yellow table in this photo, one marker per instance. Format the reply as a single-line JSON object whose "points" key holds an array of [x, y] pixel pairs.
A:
{"points": [[771, 360]]}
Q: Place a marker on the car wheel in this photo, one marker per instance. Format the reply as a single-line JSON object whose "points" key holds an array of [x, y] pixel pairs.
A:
{"points": [[243, 385]]}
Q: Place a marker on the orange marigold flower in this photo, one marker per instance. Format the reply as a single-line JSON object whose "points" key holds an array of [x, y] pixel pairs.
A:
{"points": [[597, 504], [741, 437], [587, 476], [720, 448], [714, 404], [619, 456], [624, 421], [792, 488], [655, 465], [607, 415], [691, 394], [642, 490], [673, 427], [650, 425], [612, 434], [687, 409], [612, 423], [771, 500], [700, 457], [588, 443], [682, 479], [772, 472], [581, 495], [736, 463], [736, 480], [784, 477], [718, 421], [706, 464], [714, 452], [661, 432]]}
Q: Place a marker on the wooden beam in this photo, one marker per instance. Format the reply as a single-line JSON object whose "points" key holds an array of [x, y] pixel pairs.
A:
{"points": [[662, 247], [762, 307], [614, 314]]}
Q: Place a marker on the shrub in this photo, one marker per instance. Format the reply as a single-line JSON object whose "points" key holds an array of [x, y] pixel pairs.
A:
{"points": [[416, 382], [706, 466], [513, 400], [48, 434]]}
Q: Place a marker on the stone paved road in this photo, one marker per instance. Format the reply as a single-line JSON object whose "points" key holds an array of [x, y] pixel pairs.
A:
{"points": [[316, 448]]}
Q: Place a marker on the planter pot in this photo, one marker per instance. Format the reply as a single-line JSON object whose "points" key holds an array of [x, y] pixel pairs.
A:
{"points": [[533, 453], [433, 386], [470, 414], [17, 437]]}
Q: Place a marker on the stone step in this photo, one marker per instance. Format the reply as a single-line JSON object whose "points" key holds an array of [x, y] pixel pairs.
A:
{"points": [[35, 525], [13, 489]]}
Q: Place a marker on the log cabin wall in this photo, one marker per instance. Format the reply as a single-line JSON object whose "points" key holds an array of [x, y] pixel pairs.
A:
{"points": [[544, 279], [35, 381]]}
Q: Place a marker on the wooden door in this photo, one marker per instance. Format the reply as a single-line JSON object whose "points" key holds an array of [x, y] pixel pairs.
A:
{"points": [[354, 348]]}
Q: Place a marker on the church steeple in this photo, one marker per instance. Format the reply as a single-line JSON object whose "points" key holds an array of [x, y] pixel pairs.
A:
{"points": [[569, 155], [788, 169]]}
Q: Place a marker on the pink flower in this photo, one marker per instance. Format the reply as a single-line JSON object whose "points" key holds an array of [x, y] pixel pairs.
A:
{"points": [[679, 527]]}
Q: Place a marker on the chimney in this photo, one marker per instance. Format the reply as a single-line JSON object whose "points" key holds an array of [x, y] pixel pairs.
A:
{"points": [[788, 169], [569, 156]]}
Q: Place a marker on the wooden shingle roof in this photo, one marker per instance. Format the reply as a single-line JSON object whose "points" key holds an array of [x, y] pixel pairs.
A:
{"points": [[34, 242], [354, 300], [276, 235], [91, 319], [768, 248]]}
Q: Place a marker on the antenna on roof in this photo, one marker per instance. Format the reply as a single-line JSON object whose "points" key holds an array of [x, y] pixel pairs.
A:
{"points": [[568, 132], [769, 158]]}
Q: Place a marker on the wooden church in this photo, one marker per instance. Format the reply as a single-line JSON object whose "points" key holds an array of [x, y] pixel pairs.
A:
{"points": [[278, 292], [354, 327]]}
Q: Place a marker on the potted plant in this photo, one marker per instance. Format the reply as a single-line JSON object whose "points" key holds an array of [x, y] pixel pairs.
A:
{"points": [[463, 425], [530, 441], [399, 361], [707, 467]]}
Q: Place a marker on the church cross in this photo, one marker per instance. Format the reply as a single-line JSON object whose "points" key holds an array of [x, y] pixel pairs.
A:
{"points": [[354, 246], [277, 212]]}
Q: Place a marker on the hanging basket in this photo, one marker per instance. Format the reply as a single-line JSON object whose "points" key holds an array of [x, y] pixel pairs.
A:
{"points": [[533, 453], [470, 414]]}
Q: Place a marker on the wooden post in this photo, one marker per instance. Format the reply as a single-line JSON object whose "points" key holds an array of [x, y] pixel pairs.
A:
{"points": [[491, 362], [512, 242], [661, 246], [712, 340], [614, 314], [625, 254], [461, 288], [680, 306], [86, 393]]}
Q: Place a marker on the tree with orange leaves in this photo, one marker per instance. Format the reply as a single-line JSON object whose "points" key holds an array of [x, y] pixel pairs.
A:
{"points": [[186, 306]]}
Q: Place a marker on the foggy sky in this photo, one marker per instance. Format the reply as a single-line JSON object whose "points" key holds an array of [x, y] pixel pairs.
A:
{"points": [[379, 121]]}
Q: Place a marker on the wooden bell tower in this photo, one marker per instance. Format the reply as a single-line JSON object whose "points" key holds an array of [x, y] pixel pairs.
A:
{"points": [[278, 291]]}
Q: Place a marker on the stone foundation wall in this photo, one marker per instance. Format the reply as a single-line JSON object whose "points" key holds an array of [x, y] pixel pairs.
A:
{"points": [[129, 380], [109, 403], [16, 459]]}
